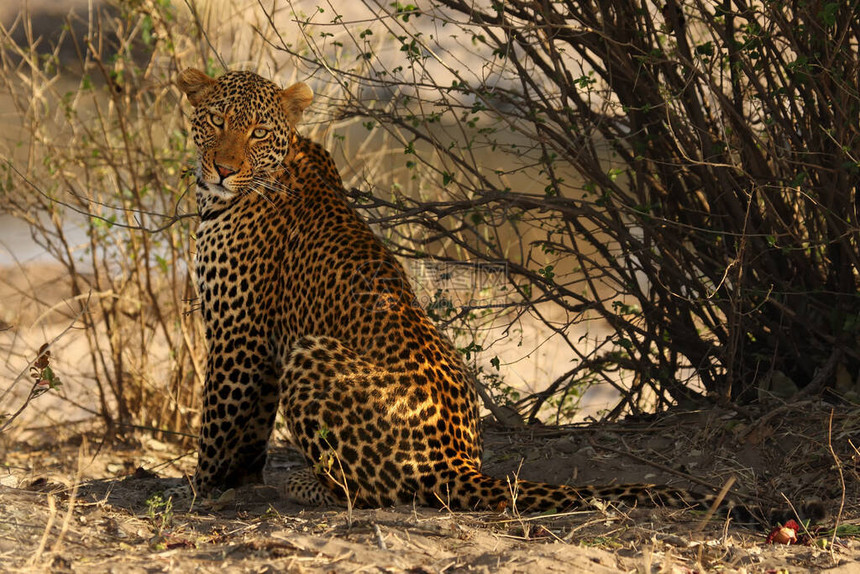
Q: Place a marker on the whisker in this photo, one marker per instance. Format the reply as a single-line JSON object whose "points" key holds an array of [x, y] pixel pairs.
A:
{"points": [[255, 188], [275, 186]]}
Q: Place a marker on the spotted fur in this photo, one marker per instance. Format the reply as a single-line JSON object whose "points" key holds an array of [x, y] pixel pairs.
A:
{"points": [[305, 307]]}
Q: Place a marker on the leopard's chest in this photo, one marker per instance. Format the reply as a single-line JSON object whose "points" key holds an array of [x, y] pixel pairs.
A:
{"points": [[237, 271]]}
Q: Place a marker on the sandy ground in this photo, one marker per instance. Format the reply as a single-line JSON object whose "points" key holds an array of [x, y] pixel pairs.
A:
{"points": [[72, 503]]}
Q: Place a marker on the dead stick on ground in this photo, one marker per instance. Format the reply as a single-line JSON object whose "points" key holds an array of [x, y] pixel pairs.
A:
{"points": [[716, 504], [841, 481], [52, 515], [82, 455], [380, 541]]}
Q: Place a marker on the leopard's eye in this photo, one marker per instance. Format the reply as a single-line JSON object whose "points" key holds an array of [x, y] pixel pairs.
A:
{"points": [[260, 133], [216, 120]]}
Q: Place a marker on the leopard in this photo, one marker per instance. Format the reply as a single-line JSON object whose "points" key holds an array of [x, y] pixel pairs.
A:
{"points": [[308, 312]]}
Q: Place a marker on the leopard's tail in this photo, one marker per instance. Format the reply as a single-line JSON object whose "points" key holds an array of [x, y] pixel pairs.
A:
{"points": [[474, 490]]}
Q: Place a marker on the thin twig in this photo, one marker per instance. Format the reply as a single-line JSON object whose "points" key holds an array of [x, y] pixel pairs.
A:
{"points": [[838, 464]]}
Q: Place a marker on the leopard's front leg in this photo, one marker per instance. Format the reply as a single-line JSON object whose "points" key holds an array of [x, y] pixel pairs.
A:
{"points": [[240, 401]]}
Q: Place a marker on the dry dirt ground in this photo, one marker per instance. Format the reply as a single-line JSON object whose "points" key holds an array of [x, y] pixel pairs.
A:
{"points": [[71, 502]]}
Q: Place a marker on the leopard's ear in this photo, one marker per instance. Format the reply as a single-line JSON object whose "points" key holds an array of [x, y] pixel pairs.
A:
{"points": [[295, 99], [195, 84]]}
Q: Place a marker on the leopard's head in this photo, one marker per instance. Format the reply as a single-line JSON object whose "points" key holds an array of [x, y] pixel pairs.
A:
{"points": [[242, 125]]}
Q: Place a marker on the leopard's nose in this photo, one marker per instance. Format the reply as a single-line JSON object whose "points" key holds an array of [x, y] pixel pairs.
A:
{"points": [[224, 170]]}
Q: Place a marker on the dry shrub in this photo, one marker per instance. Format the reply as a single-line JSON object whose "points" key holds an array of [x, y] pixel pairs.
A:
{"points": [[687, 173]]}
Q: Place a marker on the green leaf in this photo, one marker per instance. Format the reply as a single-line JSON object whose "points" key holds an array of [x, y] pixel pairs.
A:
{"points": [[162, 263], [706, 49], [547, 272], [828, 13]]}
